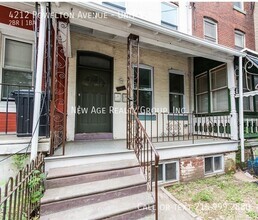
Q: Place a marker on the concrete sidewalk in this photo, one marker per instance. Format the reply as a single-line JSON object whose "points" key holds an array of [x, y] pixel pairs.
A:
{"points": [[169, 209]]}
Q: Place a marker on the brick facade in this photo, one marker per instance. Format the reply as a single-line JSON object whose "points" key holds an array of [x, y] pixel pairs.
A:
{"points": [[191, 168], [228, 20], [256, 25]]}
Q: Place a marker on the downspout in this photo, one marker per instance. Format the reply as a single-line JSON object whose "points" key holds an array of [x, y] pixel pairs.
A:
{"points": [[38, 83], [241, 110]]}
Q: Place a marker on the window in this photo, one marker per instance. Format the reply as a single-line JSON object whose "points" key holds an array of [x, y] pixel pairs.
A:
{"points": [[167, 172], [214, 164], [210, 30], [176, 91], [116, 5], [219, 90], [17, 66], [169, 15], [239, 40], [145, 87], [201, 92], [238, 5]]}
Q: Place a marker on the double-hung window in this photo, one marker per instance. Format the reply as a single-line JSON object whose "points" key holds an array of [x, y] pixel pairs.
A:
{"points": [[210, 30], [176, 91], [238, 5], [169, 15], [16, 67], [219, 89], [145, 87], [239, 40], [201, 91]]}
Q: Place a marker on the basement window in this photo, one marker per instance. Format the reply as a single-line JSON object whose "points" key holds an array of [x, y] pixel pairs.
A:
{"points": [[214, 164], [167, 172]]}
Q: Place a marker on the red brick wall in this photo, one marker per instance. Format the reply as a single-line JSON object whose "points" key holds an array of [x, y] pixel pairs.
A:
{"points": [[11, 122], [228, 20], [191, 168]]}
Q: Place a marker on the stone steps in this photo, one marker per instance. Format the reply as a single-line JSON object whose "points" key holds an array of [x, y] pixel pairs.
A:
{"points": [[112, 189]]}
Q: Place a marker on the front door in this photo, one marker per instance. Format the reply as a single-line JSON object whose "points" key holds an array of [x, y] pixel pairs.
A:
{"points": [[93, 94]]}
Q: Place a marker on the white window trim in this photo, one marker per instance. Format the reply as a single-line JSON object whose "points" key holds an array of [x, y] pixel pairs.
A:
{"points": [[202, 93], [217, 89], [11, 105], [144, 66], [163, 163], [241, 9], [166, 23], [222, 170], [216, 27], [177, 72], [242, 34]]}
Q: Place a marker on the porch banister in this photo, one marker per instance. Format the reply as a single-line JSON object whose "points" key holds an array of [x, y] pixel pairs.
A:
{"points": [[38, 84], [241, 109]]}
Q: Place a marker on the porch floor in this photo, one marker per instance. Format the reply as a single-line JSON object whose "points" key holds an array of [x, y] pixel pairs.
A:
{"points": [[98, 147]]}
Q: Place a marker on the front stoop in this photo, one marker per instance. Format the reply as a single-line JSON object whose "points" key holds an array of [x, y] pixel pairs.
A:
{"points": [[114, 190]]}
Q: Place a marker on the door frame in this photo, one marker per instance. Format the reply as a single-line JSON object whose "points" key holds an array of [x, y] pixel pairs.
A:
{"points": [[96, 54]]}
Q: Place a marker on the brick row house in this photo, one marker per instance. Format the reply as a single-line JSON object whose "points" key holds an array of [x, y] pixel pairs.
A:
{"points": [[176, 64]]}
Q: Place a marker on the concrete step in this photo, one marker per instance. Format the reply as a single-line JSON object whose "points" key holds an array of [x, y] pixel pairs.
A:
{"points": [[106, 209], [50, 208], [84, 189], [78, 160], [91, 168], [90, 177], [148, 217]]}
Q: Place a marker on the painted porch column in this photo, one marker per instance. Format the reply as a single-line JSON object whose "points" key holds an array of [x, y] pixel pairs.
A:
{"points": [[232, 90], [241, 109], [38, 84]]}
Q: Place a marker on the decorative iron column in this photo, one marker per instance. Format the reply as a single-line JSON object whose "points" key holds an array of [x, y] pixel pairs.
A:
{"points": [[132, 77]]}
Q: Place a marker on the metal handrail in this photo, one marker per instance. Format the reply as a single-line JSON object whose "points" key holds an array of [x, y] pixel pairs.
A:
{"points": [[146, 154]]}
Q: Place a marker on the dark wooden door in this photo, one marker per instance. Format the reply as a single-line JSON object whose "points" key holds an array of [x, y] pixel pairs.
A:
{"points": [[94, 99]]}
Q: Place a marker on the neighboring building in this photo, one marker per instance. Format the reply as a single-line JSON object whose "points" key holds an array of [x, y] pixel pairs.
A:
{"points": [[256, 25]]}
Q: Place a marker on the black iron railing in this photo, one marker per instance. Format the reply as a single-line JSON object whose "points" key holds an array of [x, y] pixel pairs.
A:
{"points": [[20, 197], [148, 157], [169, 127]]}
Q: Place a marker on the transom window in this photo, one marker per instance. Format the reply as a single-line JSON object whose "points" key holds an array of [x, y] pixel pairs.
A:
{"points": [[210, 30], [239, 40], [116, 5], [145, 87], [169, 15], [213, 164], [17, 66], [176, 92]]}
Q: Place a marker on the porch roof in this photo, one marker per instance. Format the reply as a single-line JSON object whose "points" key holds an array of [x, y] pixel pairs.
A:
{"points": [[154, 34]]}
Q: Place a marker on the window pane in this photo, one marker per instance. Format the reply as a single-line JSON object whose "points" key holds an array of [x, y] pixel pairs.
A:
{"points": [[170, 171], [247, 103], [176, 83], [256, 103], [218, 163], [208, 165], [202, 84], [210, 30], [239, 40], [202, 103], [18, 54], [238, 4], [220, 100], [145, 99], [160, 173], [175, 102], [145, 78], [15, 77], [219, 78], [169, 14]]}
